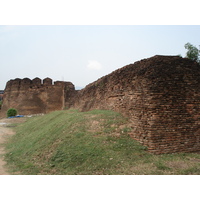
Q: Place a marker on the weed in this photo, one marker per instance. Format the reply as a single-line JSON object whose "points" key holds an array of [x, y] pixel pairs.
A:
{"points": [[161, 166]]}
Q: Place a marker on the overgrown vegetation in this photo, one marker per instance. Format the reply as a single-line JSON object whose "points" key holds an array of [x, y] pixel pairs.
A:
{"points": [[95, 142], [11, 112], [192, 52]]}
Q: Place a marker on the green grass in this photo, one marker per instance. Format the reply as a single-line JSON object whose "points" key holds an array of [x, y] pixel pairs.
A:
{"points": [[95, 142]]}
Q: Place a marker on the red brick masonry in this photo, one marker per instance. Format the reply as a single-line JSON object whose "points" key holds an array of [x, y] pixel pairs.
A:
{"points": [[160, 95]]}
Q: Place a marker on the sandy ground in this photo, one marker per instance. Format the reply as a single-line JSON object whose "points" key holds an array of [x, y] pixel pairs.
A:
{"points": [[6, 132]]}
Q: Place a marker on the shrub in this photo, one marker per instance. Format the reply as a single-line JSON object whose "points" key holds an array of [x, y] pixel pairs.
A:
{"points": [[11, 112]]}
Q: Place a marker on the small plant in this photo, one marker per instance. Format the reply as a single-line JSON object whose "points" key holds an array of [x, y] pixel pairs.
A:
{"points": [[0, 104], [11, 112], [161, 166]]}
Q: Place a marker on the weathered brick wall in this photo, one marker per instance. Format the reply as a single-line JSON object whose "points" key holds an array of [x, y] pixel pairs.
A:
{"points": [[160, 95], [34, 96]]}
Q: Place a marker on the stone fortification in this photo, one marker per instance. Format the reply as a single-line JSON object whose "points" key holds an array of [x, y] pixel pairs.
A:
{"points": [[36, 96], [161, 97]]}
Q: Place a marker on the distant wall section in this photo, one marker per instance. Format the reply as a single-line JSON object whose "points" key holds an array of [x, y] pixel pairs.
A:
{"points": [[36, 96]]}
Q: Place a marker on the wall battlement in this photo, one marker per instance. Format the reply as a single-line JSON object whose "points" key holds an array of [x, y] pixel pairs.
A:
{"points": [[37, 96], [26, 83]]}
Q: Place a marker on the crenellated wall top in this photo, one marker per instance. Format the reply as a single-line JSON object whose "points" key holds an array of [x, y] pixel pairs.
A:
{"points": [[25, 83]]}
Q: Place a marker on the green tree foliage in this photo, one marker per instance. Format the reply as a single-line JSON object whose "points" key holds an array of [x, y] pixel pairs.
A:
{"points": [[192, 52], [0, 104], [11, 112]]}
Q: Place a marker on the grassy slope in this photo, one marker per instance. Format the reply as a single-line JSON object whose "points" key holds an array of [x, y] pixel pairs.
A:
{"points": [[95, 142]]}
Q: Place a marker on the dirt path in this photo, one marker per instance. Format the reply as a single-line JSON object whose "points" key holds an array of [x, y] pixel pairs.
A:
{"points": [[5, 132]]}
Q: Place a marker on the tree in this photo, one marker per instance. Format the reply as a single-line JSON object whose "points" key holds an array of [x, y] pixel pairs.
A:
{"points": [[193, 53]]}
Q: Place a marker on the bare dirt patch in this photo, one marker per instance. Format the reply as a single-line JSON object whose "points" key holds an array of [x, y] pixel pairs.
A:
{"points": [[6, 132]]}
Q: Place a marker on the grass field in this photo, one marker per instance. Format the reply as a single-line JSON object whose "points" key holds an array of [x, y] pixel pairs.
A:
{"points": [[95, 142]]}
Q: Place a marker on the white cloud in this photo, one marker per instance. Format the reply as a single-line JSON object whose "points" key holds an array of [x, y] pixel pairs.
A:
{"points": [[94, 65]]}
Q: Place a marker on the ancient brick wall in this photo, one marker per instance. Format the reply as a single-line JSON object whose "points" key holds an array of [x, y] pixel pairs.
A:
{"points": [[35, 96], [161, 97]]}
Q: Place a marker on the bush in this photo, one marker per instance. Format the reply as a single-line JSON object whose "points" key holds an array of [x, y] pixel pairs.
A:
{"points": [[11, 112]]}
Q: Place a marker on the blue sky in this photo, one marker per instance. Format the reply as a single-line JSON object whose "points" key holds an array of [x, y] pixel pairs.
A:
{"points": [[82, 54]]}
